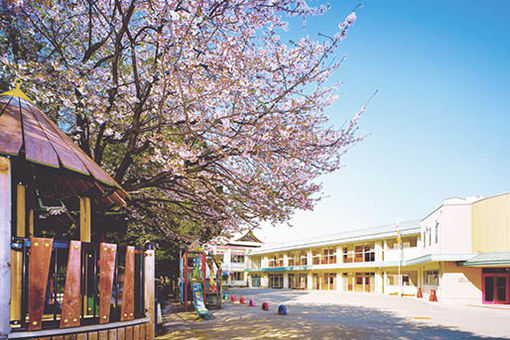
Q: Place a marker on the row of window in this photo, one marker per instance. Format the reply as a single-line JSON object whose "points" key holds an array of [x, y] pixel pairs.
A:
{"points": [[358, 253], [427, 236], [233, 258]]}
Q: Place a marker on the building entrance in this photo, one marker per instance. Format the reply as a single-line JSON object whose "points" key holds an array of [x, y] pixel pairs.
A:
{"points": [[495, 288]]}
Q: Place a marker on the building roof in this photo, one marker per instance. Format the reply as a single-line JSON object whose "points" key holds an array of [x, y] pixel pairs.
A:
{"points": [[366, 234], [488, 259], [28, 133], [248, 237]]}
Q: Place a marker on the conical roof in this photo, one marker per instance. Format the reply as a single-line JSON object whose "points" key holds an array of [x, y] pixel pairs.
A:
{"points": [[27, 132]]}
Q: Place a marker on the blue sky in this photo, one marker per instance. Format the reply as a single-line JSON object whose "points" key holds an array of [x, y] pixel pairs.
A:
{"points": [[440, 125]]}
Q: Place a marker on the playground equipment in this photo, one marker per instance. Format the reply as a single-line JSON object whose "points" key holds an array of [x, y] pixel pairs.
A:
{"points": [[265, 306], [233, 298], [282, 310], [251, 303], [241, 300], [200, 276]]}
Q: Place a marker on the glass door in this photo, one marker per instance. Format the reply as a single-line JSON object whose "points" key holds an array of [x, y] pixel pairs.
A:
{"points": [[495, 288]]}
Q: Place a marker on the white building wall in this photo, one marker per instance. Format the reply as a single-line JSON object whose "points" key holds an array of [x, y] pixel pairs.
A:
{"points": [[453, 220]]}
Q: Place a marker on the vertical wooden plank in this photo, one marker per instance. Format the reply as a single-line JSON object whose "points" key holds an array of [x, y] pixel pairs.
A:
{"points": [[143, 331], [31, 223], [40, 256], [16, 286], [71, 307], [85, 213], [112, 334], [129, 333], [17, 256], [92, 336], [70, 337], [136, 332], [149, 291], [103, 335], [128, 292], [85, 232], [59, 337], [20, 211], [107, 266], [81, 336], [121, 333]]}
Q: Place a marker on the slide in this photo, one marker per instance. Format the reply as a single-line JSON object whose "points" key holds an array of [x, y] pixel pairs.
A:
{"points": [[198, 299]]}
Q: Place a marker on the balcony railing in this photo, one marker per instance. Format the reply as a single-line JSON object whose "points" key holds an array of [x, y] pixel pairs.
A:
{"points": [[59, 284]]}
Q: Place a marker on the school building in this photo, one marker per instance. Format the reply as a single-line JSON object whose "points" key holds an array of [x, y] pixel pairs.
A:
{"points": [[460, 252]]}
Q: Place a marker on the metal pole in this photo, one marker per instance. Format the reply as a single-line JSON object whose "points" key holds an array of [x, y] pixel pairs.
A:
{"points": [[399, 268]]}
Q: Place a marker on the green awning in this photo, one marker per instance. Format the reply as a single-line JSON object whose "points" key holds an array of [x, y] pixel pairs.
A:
{"points": [[493, 259]]}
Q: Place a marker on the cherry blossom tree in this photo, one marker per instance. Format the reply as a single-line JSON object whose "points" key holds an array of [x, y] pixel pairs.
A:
{"points": [[197, 107]]}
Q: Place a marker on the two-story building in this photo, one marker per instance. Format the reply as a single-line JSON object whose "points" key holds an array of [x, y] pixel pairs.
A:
{"points": [[233, 253], [461, 251]]}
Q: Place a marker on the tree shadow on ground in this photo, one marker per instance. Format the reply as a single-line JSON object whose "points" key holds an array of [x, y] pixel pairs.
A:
{"points": [[303, 321]]}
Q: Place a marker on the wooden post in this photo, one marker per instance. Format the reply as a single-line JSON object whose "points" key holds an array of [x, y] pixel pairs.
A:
{"points": [[31, 223], [17, 256], [85, 218], [5, 246], [149, 284], [85, 232]]}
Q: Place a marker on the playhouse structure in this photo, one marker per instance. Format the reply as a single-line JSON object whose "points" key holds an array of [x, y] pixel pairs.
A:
{"points": [[55, 283]]}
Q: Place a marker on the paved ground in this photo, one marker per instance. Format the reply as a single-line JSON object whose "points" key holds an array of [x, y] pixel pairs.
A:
{"points": [[332, 315]]}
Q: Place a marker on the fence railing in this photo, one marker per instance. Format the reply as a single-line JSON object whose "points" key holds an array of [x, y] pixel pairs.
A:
{"points": [[59, 284]]}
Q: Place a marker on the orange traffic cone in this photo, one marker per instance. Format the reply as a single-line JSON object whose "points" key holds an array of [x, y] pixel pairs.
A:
{"points": [[433, 296], [419, 294]]}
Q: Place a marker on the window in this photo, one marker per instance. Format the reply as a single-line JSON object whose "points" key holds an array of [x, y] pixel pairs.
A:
{"points": [[292, 281], [369, 254], [347, 255], [272, 261], [358, 254], [409, 242], [302, 281], [280, 260], [220, 258], [431, 277], [303, 259], [275, 280], [237, 258], [329, 256], [238, 276], [436, 234], [291, 259], [391, 280], [316, 258], [405, 280]]}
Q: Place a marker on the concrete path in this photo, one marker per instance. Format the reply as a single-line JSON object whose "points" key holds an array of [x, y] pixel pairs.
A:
{"points": [[333, 315]]}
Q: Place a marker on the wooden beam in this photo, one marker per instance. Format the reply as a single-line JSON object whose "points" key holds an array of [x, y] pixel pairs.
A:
{"points": [[85, 219], [5, 245]]}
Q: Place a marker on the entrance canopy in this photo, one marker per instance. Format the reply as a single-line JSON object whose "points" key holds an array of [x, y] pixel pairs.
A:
{"points": [[494, 259]]}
